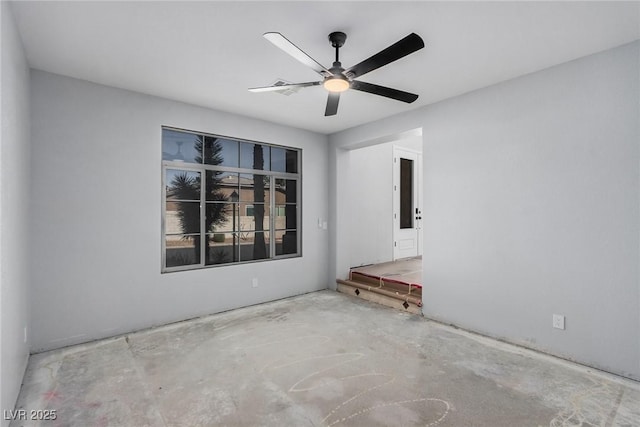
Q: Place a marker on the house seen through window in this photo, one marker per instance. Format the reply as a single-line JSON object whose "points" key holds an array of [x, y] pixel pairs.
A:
{"points": [[227, 200]]}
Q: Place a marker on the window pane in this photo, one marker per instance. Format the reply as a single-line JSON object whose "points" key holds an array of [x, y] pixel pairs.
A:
{"points": [[182, 217], [212, 151], [172, 220], [254, 188], [289, 220], [281, 220], [221, 152], [222, 186], [221, 217], [219, 185], [182, 250], [220, 248], [254, 246], [406, 193], [180, 146], [286, 242], [254, 217], [182, 184], [286, 190], [283, 160], [254, 156]]}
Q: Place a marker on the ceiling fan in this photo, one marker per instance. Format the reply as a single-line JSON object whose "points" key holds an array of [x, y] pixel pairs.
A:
{"points": [[337, 79]]}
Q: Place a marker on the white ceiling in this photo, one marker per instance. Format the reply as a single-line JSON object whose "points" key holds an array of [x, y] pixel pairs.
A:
{"points": [[209, 53]]}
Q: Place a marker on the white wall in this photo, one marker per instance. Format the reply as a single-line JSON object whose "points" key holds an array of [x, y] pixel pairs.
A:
{"points": [[531, 207], [96, 215], [371, 205], [14, 199]]}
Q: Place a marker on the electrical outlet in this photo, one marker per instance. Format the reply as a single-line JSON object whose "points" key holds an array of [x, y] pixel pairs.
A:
{"points": [[558, 321], [254, 282]]}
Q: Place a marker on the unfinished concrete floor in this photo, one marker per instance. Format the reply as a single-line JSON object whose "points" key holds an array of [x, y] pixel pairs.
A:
{"points": [[320, 359]]}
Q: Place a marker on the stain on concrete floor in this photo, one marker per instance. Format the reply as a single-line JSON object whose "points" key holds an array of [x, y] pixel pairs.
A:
{"points": [[321, 359]]}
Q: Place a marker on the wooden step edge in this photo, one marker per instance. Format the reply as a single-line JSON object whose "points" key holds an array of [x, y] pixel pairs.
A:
{"points": [[411, 299], [357, 276], [391, 286], [377, 298]]}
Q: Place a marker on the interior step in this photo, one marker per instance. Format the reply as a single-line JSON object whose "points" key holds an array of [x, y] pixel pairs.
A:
{"points": [[386, 283], [388, 296]]}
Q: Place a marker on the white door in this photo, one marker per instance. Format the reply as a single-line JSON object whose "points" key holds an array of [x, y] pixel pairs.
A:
{"points": [[407, 212]]}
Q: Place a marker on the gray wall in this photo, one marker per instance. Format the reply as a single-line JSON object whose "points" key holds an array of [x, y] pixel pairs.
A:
{"points": [[531, 207], [96, 215], [14, 200], [371, 205]]}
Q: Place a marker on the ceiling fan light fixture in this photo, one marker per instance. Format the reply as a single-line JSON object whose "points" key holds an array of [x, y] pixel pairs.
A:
{"points": [[336, 84]]}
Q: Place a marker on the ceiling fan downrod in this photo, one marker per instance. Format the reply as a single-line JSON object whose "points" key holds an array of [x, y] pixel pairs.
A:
{"points": [[337, 40], [337, 82]]}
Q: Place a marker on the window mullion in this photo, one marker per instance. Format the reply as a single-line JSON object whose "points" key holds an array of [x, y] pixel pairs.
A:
{"points": [[299, 209], [272, 217], [203, 212]]}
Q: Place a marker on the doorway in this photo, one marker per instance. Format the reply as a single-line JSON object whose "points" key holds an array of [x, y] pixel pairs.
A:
{"points": [[353, 230], [407, 210]]}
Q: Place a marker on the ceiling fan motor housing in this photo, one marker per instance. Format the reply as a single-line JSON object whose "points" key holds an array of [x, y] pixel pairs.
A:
{"points": [[337, 39]]}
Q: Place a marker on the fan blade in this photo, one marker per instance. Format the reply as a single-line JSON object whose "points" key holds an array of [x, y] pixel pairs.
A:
{"points": [[400, 49], [384, 91], [283, 87], [283, 43], [332, 104]]}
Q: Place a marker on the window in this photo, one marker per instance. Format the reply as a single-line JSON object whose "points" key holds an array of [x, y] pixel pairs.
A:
{"points": [[227, 201]]}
